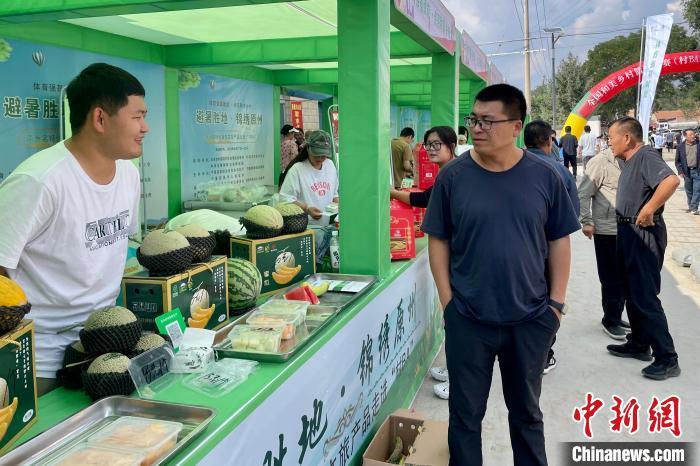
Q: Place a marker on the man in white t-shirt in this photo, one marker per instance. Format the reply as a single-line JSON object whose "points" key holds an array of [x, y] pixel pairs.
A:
{"points": [[586, 146], [66, 212]]}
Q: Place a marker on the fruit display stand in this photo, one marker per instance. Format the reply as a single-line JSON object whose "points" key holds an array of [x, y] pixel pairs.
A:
{"points": [[324, 404]]}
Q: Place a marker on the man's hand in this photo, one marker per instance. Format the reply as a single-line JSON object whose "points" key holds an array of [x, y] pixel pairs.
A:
{"points": [[315, 212], [588, 231], [645, 218]]}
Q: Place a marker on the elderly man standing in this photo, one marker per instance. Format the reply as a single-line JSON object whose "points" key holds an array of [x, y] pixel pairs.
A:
{"points": [[645, 184], [599, 189], [687, 166]]}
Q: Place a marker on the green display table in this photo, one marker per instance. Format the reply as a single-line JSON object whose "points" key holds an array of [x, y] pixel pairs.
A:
{"points": [[322, 406]]}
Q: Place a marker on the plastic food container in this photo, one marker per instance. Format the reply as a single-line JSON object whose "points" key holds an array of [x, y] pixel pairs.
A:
{"points": [[250, 338], [318, 314], [288, 321], [285, 306], [152, 437], [85, 454]]}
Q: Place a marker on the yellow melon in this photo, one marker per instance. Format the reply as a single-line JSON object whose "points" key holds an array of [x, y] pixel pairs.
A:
{"points": [[11, 293]]}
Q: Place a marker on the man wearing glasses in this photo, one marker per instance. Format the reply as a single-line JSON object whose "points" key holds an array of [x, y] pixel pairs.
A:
{"points": [[495, 216]]}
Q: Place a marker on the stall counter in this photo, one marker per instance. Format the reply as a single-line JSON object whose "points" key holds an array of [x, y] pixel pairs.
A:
{"points": [[323, 405]]}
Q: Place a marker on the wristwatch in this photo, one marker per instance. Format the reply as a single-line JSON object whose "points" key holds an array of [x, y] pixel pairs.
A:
{"points": [[561, 307]]}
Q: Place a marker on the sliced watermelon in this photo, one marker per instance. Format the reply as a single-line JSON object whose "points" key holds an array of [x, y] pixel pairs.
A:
{"points": [[312, 298], [297, 294]]}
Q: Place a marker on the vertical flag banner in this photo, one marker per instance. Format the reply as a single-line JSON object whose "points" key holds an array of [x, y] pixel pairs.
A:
{"points": [[658, 31], [297, 114]]}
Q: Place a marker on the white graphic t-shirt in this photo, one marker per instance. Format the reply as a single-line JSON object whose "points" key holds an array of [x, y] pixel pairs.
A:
{"points": [[315, 188], [64, 240]]}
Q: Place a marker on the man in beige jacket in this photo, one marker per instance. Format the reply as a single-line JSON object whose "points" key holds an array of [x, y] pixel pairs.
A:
{"points": [[598, 189]]}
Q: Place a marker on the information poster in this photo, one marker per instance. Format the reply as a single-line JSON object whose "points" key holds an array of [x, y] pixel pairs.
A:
{"points": [[33, 76], [226, 133], [424, 124], [408, 118]]}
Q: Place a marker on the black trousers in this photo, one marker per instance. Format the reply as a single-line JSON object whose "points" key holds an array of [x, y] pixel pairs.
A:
{"points": [[610, 285], [471, 349], [570, 160], [640, 253]]}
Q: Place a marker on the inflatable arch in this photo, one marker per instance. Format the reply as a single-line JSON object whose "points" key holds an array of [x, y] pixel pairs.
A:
{"points": [[614, 83]]}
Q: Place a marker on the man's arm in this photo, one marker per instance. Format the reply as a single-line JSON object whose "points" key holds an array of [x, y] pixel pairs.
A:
{"points": [[587, 189], [663, 193], [559, 262], [439, 254], [679, 166]]}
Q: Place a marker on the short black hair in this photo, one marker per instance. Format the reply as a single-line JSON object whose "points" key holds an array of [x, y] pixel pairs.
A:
{"points": [[100, 85], [686, 131], [445, 133], [567, 129], [462, 130], [286, 129], [407, 132], [587, 129], [512, 98], [631, 126], [537, 133]]}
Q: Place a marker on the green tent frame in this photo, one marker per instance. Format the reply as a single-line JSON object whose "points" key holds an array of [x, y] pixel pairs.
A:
{"points": [[369, 34]]}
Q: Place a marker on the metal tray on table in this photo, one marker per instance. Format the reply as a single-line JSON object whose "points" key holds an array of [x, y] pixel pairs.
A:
{"points": [[77, 428], [333, 302]]}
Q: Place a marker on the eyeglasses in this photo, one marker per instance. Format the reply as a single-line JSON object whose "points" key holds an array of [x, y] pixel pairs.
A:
{"points": [[436, 145], [484, 124]]}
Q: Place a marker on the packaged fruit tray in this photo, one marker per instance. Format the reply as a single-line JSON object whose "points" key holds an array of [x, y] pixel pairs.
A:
{"points": [[181, 424], [318, 316]]}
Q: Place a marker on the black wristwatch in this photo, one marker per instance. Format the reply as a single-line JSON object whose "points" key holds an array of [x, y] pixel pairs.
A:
{"points": [[561, 307]]}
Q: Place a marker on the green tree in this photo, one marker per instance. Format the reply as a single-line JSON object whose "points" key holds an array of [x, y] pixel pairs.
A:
{"points": [[691, 12], [571, 85]]}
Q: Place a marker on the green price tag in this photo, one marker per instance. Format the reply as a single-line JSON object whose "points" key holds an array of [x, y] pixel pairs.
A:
{"points": [[172, 324]]}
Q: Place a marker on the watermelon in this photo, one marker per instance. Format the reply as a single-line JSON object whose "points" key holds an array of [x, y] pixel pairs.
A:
{"points": [[244, 284]]}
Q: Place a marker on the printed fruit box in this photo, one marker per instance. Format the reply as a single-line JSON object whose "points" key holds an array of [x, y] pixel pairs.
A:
{"points": [[418, 212], [201, 294], [18, 408], [282, 260], [402, 234]]}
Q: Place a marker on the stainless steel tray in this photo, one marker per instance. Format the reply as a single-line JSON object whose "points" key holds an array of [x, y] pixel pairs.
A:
{"points": [[332, 301], [81, 425]]}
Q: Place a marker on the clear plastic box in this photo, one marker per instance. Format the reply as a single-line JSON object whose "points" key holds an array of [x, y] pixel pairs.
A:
{"points": [[285, 306], [85, 454], [318, 314], [153, 437], [250, 338], [288, 321]]}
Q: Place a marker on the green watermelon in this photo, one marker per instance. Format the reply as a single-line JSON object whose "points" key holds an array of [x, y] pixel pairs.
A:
{"points": [[244, 284]]}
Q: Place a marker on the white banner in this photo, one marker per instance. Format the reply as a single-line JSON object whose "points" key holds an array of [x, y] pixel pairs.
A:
{"points": [[658, 31], [328, 407]]}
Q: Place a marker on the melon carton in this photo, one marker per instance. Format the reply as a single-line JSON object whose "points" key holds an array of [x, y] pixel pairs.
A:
{"points": [[200, 292]]}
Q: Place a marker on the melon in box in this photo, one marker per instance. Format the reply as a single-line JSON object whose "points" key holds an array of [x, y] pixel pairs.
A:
{"points": [[201, 294], [18, 408], [281, 261]]}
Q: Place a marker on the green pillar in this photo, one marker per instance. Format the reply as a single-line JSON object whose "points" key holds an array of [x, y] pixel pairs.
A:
{"points": [[172, 141], [363, 95], [445, 88], [277, 138]]}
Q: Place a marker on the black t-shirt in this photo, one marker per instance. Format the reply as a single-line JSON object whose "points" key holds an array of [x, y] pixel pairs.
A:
{"points": [[639, 178], [498, 225], [420, 199], [569, 143]]}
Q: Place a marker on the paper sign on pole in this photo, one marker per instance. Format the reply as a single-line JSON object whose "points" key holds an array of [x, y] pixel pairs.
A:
{"points": [[658, 31]]}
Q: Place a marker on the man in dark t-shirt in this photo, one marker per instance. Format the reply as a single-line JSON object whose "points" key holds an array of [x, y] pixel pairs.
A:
{"points": [[490, 233], [646, 183], [569, 144]]}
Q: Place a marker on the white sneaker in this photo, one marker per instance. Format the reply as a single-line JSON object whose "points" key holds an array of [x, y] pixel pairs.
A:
{"points": [[439, 373], [442, 390], [551, 364]]}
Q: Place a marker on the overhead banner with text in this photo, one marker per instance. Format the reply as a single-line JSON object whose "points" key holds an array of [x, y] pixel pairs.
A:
{"points": [[226, 134], [658, 31], [473, 57], [433, 18]]}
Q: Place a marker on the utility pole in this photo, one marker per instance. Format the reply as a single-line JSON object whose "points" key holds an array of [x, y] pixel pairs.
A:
{"points": [[559, 31], [526, 20]]}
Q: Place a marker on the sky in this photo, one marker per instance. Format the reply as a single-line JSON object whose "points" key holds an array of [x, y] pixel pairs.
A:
{"points": [[580, 17]]}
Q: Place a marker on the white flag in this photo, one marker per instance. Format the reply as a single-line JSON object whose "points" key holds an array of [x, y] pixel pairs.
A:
{"points": [[658, 31]]}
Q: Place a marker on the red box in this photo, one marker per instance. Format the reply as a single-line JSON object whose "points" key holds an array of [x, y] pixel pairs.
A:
{"points": [[402, 234], [427, 170], [418, 213]]}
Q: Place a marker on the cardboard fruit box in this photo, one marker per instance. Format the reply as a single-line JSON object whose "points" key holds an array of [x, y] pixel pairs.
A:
{"points": [[18, 406], [201, 290], [418, 212], [402, 233], [282, 260], [424, 441], [427, 170]]}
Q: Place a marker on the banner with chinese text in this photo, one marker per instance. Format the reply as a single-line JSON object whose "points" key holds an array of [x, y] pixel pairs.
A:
{"points": [[658, 31], [226, 134], [433, 18], [297, 114], [337, 394], [33, 76]]}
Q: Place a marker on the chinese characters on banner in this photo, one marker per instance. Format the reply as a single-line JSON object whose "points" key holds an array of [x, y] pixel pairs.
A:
{"points": [[225, 135], [433, 18], [339, 392], [297, 114], [473, 57]]}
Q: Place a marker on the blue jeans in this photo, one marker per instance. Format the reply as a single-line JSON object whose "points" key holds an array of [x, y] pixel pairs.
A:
{"points": [[692, 188]]}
